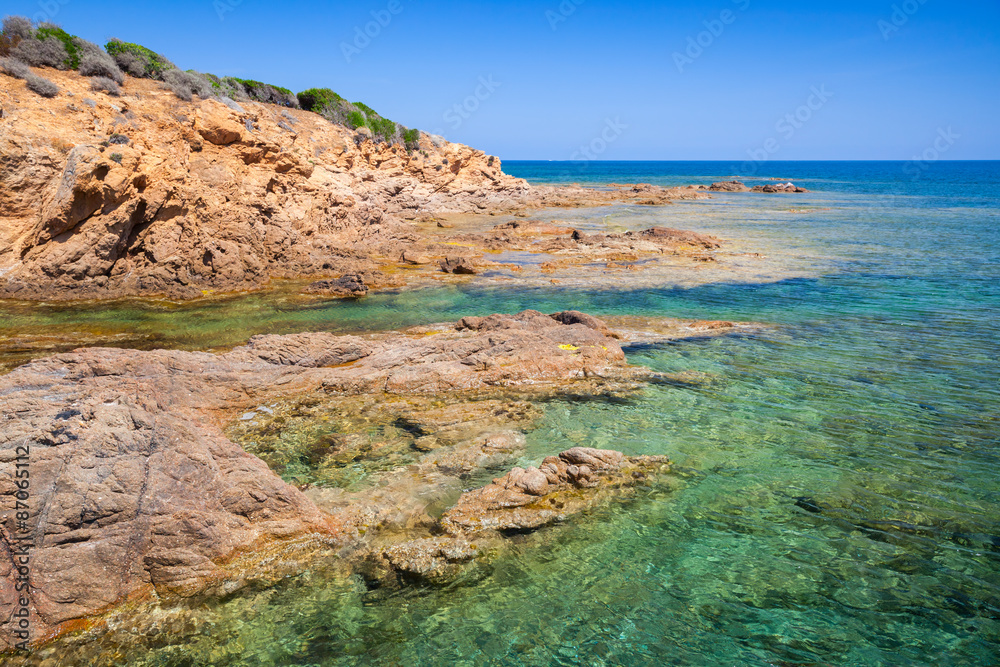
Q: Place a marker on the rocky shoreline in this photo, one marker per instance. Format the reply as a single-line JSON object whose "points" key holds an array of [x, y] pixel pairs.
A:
{"points": [[144, 491], [161, 475], [147, 195]]}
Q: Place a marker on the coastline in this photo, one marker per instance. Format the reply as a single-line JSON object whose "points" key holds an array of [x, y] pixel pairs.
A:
{"points": [[367, 502]]}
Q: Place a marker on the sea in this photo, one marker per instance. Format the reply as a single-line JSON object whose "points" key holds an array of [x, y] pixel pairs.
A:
{"points": [[838, 474]]}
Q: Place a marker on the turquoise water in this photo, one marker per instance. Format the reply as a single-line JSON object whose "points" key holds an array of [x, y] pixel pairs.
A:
{"points": [[841, 504]]}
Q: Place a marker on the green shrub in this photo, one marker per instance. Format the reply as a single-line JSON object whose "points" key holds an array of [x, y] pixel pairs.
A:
{"points": [[411, 139], [356, 119], [266, 93], [49, 31], [383, 129], [117, 157], [367, 109], [317, 99], [138, 60], [355, 115]]}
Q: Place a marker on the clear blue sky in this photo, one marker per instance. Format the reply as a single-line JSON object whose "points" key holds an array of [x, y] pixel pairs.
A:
{"points": [[894, 86]]}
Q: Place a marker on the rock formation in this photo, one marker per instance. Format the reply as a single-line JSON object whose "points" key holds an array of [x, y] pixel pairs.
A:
{"points": [[135, 486], [139, 486], [145, 194], [521, 501]]}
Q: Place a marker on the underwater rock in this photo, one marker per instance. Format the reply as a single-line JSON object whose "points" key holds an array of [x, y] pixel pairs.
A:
{"points": [[134, 486], [678, 237], [529, 499], [521, 501], [435, 560], [350, 286]]}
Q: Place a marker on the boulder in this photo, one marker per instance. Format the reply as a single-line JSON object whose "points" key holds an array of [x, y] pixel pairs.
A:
{"points": [[413, 257], [728, 186], [218, 124], [458, 265]]}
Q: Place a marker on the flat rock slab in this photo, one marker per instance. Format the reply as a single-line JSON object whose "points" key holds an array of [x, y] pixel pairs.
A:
{"points": [[135, 487]]}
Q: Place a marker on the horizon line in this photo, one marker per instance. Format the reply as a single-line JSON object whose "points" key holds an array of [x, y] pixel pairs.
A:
{"points": [[741, 160]]}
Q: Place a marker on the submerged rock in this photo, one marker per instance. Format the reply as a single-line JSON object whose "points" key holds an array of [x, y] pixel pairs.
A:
{"points": [[521, 501], [531, 498], [134, 486], [350, 286]]}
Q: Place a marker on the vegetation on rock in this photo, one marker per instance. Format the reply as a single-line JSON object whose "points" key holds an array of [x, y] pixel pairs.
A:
{"points": [[48, 45], [138, 60]]}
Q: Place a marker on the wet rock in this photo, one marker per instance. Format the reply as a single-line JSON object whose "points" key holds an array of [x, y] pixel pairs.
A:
{"points": [[523, 500], [778, 188], [576, 317], [351, 286], [458, 265], [677, 236], [412, 257], [529, 499], [728, 186], [435, 560], [142, 490]]}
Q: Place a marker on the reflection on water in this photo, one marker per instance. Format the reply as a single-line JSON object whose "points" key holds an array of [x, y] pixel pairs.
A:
{"points": [[840, 503]]}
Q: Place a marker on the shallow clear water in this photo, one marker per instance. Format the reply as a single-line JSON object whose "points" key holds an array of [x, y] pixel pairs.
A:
{"points": [[841, 503]]}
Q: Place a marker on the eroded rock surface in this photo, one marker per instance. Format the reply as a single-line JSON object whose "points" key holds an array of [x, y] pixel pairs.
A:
{"points": [[201, 198], [521, 501], [135, 487]]}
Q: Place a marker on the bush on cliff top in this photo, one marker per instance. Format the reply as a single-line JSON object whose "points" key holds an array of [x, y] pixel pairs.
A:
{"points": [[48, 52], [18, 26], [354, 115], [248, 89], [47, 45], [411, 139], [95, 62], [15, 28], [49, 31], [51, 46], [138, 61], [186, 85], [317, 99]]}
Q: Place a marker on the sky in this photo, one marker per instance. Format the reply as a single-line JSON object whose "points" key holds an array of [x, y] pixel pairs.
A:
{"points": [[588, 79]]}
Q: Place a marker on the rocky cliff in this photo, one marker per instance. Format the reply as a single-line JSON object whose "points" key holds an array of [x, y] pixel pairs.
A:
{"points": [[146, 194]]}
